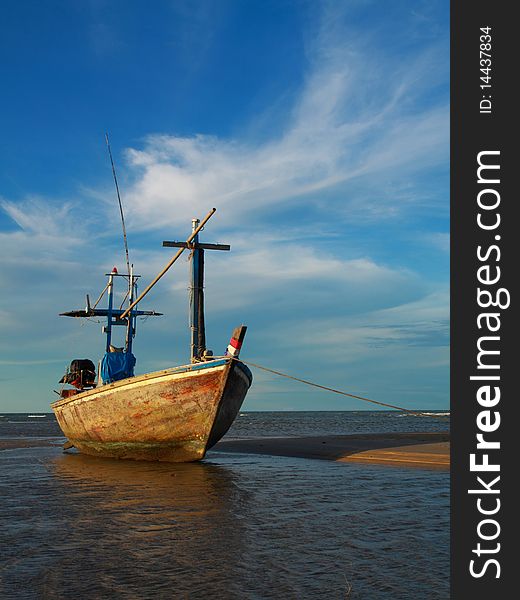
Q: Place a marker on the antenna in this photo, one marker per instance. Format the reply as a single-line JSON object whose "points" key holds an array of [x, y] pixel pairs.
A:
{"points": [[120, 208]]}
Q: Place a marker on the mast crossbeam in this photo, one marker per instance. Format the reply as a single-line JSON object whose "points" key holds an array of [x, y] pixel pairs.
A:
{"points": [[196, 246], [103, 312]]}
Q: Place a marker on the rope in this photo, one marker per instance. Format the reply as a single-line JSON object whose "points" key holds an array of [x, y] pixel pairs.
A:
{"points": [[329, 389], [124, 299], [101, 296]]}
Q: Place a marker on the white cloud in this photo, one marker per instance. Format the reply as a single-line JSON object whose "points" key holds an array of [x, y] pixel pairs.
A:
{"points": [[423, 323], [295, 276]]}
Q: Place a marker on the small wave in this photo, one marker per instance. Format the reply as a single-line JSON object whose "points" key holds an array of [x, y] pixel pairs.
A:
{"points": [[425, 414]]}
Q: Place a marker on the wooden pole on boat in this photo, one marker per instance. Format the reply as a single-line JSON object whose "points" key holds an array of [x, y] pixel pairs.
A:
{"points": [[109, 315], [130, 325], [181, 250]]}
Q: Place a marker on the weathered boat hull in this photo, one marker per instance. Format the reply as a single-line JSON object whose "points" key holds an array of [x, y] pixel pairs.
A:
{"points": [[174, 415]]}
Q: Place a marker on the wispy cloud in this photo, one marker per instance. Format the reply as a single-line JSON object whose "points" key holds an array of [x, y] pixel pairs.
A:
{"points": [[39, 217], [356, 117]]}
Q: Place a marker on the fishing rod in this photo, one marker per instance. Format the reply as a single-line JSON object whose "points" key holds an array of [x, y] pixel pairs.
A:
{"points": [[120, 210]]}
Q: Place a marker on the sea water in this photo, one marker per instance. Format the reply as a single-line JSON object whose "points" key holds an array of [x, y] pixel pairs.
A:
{"points": [[234, 526]]}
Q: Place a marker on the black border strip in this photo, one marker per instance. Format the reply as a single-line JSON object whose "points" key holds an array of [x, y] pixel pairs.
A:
{"points": [[473, 132]]}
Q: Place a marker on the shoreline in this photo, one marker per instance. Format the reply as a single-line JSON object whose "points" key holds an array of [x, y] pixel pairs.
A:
{"points": [[15, 443], [415, 450]]}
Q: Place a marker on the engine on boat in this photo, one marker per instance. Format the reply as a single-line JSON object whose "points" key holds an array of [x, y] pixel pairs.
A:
{"points": [[80, 374]]}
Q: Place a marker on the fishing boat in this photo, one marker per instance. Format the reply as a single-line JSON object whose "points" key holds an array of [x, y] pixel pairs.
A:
{"points": [[174, 414]]}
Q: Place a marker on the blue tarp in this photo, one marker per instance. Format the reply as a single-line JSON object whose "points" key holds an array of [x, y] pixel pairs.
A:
{"points": [[116, 366]]}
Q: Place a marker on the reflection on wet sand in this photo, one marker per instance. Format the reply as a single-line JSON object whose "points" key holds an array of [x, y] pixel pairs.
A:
{"points": [[248, 527], [190, 486], [155, 522]]}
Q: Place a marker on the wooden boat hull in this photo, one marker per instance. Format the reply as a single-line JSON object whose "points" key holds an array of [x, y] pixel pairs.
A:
{"points": [[174, 415]]}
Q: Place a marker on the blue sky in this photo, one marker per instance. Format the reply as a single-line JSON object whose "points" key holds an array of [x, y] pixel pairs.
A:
{"points": [[319, 130]]}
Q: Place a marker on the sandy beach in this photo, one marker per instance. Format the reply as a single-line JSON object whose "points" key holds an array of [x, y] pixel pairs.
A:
{"points": [[420, 450], [424, 450]]}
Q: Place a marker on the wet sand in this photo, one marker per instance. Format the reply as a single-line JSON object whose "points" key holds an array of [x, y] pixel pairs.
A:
{"points": [[75, 526], [420, 450], [423, 450]]}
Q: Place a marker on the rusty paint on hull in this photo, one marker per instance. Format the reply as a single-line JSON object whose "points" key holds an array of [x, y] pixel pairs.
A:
{"points": [[173, 415]]}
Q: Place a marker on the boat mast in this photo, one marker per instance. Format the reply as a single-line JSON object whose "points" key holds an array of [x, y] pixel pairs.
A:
{"points": [[197, 325], [198, 334], [114, 315]]}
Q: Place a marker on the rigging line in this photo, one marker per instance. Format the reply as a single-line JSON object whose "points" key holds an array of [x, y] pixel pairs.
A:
{"points": [[329, 389], [120, 204], [124, 299], [101, 295]]}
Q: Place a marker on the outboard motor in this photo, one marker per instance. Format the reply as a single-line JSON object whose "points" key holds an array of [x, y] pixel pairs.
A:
{"points": [[80, 374]]}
